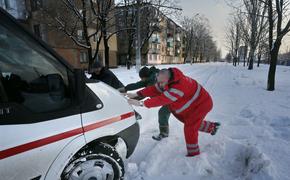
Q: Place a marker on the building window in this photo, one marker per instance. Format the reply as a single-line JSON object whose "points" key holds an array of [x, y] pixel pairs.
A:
{"points": [[36, 5], [154, 57], [83, 57], [36, 29]]}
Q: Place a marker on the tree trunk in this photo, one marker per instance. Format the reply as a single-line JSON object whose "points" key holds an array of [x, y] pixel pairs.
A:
{"points": [[251, 60], [128, 58], [91, 60], [86, 35], [245, 55], [259, 59], [251, 64], [105, 41], [184, 59], [272, 69], [107, 53]]}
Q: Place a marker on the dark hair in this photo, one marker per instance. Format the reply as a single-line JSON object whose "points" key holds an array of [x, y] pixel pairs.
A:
{"points": [[144, 72]]}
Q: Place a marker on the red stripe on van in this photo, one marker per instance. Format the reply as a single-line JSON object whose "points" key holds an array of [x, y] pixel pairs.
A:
{"points": [[51, 139], [107, 121]]}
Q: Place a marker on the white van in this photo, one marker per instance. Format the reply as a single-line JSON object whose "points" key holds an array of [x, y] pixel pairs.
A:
{"points": [[54, 123]]}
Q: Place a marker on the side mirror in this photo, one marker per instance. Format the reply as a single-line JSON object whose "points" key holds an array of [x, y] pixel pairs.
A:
{"points": [[80, 84]]}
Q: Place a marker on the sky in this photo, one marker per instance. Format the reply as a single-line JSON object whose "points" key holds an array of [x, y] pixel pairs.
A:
{"points": [[218, 13]]}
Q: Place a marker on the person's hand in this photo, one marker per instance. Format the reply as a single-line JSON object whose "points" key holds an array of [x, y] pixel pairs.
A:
{"points": [[132, 95], [122, 90], [135, 102]]}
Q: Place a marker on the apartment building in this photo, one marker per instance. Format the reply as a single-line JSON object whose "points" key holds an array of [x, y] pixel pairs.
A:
{"points": [[165, 45], [32, 14]]}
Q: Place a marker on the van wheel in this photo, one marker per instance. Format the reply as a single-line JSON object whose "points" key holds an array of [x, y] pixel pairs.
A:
{"points": [[98, 163]]}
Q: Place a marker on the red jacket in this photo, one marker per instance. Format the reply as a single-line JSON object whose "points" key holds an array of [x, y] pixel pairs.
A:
{"points": [[182, 94]]}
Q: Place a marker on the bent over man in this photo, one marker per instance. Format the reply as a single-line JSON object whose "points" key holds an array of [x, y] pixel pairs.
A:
{"points": [[187, 100], [148, 78]]}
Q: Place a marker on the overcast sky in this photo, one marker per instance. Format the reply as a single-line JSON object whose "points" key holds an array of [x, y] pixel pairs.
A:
{"points": [[218, 13], [215, 10]]}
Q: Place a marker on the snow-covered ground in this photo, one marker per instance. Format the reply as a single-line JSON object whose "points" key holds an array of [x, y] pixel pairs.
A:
{"points": [[253, 142]]}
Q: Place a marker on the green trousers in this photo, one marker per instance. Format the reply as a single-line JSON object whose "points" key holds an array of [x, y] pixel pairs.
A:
{"points": [[163, 117]]}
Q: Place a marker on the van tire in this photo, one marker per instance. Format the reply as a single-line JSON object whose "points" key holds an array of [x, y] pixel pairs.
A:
{"points": [[98, 156]]}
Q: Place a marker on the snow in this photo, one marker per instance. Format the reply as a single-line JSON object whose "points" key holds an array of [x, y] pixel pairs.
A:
{"points": [[253, 142]]}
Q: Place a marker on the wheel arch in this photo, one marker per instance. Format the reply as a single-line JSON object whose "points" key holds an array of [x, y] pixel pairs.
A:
{"points": [[130, 136], [70, 151]]}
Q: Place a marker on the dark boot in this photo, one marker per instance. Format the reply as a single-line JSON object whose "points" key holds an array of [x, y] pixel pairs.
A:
{"points": [[164, 132]]}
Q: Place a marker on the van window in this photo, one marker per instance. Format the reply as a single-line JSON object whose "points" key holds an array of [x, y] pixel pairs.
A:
{"points": [[29, 75]]}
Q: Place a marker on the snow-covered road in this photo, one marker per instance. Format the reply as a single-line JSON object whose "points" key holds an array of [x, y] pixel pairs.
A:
{"points": [[253, 142]]}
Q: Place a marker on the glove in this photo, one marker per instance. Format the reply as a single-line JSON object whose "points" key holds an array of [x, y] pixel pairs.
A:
{"points": [[122, 90], [132, 95], [135, 102]]}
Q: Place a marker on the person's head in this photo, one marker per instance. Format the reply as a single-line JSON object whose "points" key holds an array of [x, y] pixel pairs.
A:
{"points": [[163, 77], [96, 67], [144, 73]]}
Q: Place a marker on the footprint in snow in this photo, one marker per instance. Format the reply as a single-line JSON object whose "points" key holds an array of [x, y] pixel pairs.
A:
{"points": [[281, 126], [245, 161], [246, 113], [281, 122]]}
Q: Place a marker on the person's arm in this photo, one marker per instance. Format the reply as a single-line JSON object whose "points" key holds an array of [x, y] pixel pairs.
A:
{"points": [[116, 83], [110, 79], [150, 91], [134, 86], [167, 97]]}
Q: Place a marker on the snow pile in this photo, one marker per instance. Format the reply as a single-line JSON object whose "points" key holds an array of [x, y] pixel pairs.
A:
{"points": [[253, 142]]}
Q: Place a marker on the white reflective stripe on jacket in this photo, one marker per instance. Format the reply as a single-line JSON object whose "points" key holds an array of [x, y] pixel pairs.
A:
{"points": [[189, 102]]}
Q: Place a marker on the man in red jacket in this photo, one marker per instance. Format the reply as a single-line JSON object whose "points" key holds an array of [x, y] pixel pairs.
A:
{"points": [[188, 101]]}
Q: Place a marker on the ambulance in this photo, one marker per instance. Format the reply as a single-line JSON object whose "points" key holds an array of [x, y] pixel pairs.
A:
{"points": [[54, 122]]}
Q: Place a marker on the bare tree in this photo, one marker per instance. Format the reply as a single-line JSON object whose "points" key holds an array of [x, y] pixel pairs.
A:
{"points": [[126, 18], [187, 25], [263, 49], [74, 19], [277, 32], [254, 23], [233, 38], [152, 13], [87, 22], [199, 44], [104, 11]]}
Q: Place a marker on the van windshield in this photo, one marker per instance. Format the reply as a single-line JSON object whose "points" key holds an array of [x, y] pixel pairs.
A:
{"points": [[29, 74], [19, 50]]}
